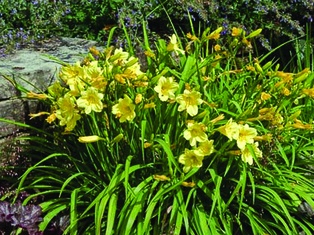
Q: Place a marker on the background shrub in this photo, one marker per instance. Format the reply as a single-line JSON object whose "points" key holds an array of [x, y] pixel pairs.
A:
{"points": [[27, 21]]}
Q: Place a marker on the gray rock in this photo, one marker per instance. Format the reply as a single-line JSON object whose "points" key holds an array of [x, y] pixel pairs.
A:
{"points": [[35, 71]]}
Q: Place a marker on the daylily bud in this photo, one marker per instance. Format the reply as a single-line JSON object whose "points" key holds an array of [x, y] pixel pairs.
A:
{"points": [[89, 139], [254, 33], [117, 138], [267, 65], [33, 115], [258, 68], [188, 184], [299, 77]]}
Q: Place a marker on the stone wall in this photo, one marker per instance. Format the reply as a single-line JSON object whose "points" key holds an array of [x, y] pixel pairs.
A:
{"points": [[31, 66]]}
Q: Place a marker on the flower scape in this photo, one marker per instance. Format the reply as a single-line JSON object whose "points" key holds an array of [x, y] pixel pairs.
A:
{"points": [[194, 134]]}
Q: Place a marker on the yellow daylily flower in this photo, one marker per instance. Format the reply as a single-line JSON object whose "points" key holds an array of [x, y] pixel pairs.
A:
{"points": [[120, 57], [236, 32], [215, 34], [166, 88], [195, 133], [230, 129], [173, 45], [205, 148], [90, 100], [73, 76], [247, 155], [124, 110], [67, 112], [189, 101], [246, 136], [190, 159], [94, 75]]}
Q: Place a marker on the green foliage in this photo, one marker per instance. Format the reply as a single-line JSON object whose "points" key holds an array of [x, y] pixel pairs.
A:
{"points": [[207, 140]]}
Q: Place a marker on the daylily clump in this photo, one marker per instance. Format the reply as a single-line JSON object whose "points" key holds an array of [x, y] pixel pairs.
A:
{"points": [[111, 85], [198, 132]]}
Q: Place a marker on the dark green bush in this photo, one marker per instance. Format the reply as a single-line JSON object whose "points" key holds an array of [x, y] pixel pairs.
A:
{"points": [[23, 22]]}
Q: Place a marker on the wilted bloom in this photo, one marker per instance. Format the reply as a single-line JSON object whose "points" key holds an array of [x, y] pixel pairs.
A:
{"points": [[189, 101], [250, 68], [124, 110], [265, 96], [299, 125], [93, 50], [309, 92], [51, 118], [173, 45], [33, 115], [247, 154], [270, 114], [190, 159], [205, 148], [192, 37], [285, 91], [267, 137], [89, 139], [230, 129], [246, 136], [195, 133], [247, 43], [166, 88], [90, 100], [217, 47], [150, 105], [150, 54], [138, 98]]}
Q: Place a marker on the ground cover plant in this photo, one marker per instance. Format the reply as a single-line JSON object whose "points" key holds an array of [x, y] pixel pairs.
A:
{"points": [[207, 140]]}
